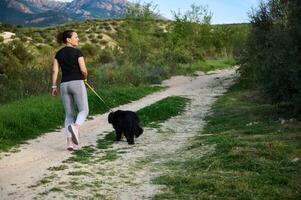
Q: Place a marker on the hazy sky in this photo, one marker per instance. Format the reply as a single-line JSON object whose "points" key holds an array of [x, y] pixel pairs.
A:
{"points": [[224, 11]]}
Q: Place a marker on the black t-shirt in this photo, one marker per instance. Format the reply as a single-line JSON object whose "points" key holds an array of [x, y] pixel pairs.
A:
{"points": [[67, 58]]}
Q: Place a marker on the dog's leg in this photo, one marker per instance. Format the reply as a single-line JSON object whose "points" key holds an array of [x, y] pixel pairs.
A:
{"points": [[118, 135], [130, 139], [138, 131]]}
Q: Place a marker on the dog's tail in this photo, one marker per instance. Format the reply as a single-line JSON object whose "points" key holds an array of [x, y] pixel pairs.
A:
{"points": [[138, 131]]}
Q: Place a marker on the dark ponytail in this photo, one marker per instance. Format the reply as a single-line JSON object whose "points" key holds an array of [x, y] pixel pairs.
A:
{"points": [[62, 36]]}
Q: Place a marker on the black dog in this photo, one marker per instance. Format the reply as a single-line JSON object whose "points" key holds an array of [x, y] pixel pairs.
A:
{"points": [[126, 122]]}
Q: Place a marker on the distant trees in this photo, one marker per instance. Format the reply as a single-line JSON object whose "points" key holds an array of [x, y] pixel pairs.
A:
{"points": [[272, 60], [187, 39], [190, 35]]}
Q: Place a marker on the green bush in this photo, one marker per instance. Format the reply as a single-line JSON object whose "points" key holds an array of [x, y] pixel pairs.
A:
{"points": [[179, 55], [108, 28], [89, 51], [83, 39], [156, 73], [106, 56], [94, 40], [20, 75], [272, 59]]}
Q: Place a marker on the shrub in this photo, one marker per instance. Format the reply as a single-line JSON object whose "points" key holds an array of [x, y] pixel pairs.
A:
{"points": [[94, 40], [272, 59], [103, 42], [106, 56], [179, 55], [89, 51]]}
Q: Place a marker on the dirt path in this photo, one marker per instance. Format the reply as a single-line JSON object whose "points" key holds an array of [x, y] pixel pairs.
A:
{"points": [[128, 176]]}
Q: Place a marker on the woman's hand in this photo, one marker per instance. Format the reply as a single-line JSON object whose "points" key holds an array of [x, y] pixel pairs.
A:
{"points": [[54, 92]]}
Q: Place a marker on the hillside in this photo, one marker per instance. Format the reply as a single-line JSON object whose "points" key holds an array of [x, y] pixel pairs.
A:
{"points": [[98, 32], [136, 50], [48, 12]]}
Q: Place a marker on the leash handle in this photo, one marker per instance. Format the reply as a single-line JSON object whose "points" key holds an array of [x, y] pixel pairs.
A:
{"points": [[92, 89]]}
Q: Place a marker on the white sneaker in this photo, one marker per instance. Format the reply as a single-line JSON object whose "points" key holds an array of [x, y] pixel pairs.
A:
{"points": [[70, 148], [74, 133]]}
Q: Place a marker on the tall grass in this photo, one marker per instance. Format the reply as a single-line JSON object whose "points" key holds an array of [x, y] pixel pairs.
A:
{"points": [[154, 74]]}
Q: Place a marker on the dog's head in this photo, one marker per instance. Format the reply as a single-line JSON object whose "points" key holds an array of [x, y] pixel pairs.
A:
{"points": [[113, 116]]}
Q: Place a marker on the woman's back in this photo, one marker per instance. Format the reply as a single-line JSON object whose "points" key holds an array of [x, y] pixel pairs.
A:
{"points": [[67, 58]]}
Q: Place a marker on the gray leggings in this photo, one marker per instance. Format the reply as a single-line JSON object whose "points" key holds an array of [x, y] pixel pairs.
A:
{"points": [[74, 92]]}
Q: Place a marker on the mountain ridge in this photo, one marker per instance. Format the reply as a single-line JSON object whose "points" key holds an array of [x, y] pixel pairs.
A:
{"points": [[49, 12]]}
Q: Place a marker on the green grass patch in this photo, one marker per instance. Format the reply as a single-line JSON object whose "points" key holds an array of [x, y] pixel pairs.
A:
{"points": [[210, 65], [79, 173], [107, 141], [43, 181], [58, 168], [110, 155], [82, 155], [29, 118], [205, 66], [162, 110], [254, 158], [55, 189]]}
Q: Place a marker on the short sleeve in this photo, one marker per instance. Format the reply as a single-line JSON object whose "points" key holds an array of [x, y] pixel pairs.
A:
{"points": [[79, 54]]}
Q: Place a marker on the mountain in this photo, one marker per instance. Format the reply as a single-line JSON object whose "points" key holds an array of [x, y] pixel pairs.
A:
{"points": [[49, 12], [96, 8]]}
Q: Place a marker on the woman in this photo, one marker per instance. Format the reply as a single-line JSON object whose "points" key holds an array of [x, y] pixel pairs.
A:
{"points": [[72, 87]]}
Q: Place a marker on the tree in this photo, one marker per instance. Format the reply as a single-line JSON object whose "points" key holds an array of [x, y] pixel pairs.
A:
{"points": [[272, 59], [191, 31]]}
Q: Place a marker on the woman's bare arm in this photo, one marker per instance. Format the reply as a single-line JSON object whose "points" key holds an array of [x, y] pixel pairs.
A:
{"points": [[55, 72], [82, 66]]}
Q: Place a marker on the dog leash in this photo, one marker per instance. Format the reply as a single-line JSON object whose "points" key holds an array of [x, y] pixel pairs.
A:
{"points": [[92, 89]]}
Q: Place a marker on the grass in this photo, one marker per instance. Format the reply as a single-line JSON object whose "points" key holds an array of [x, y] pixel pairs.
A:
{"points": [[254, 158], [110, 155], [58, 168], [107, 141], [82, 155], [218, 64], [162, 110], [207, 65], [43, 181], [55, 189], [27, 119], [79, 173]]}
